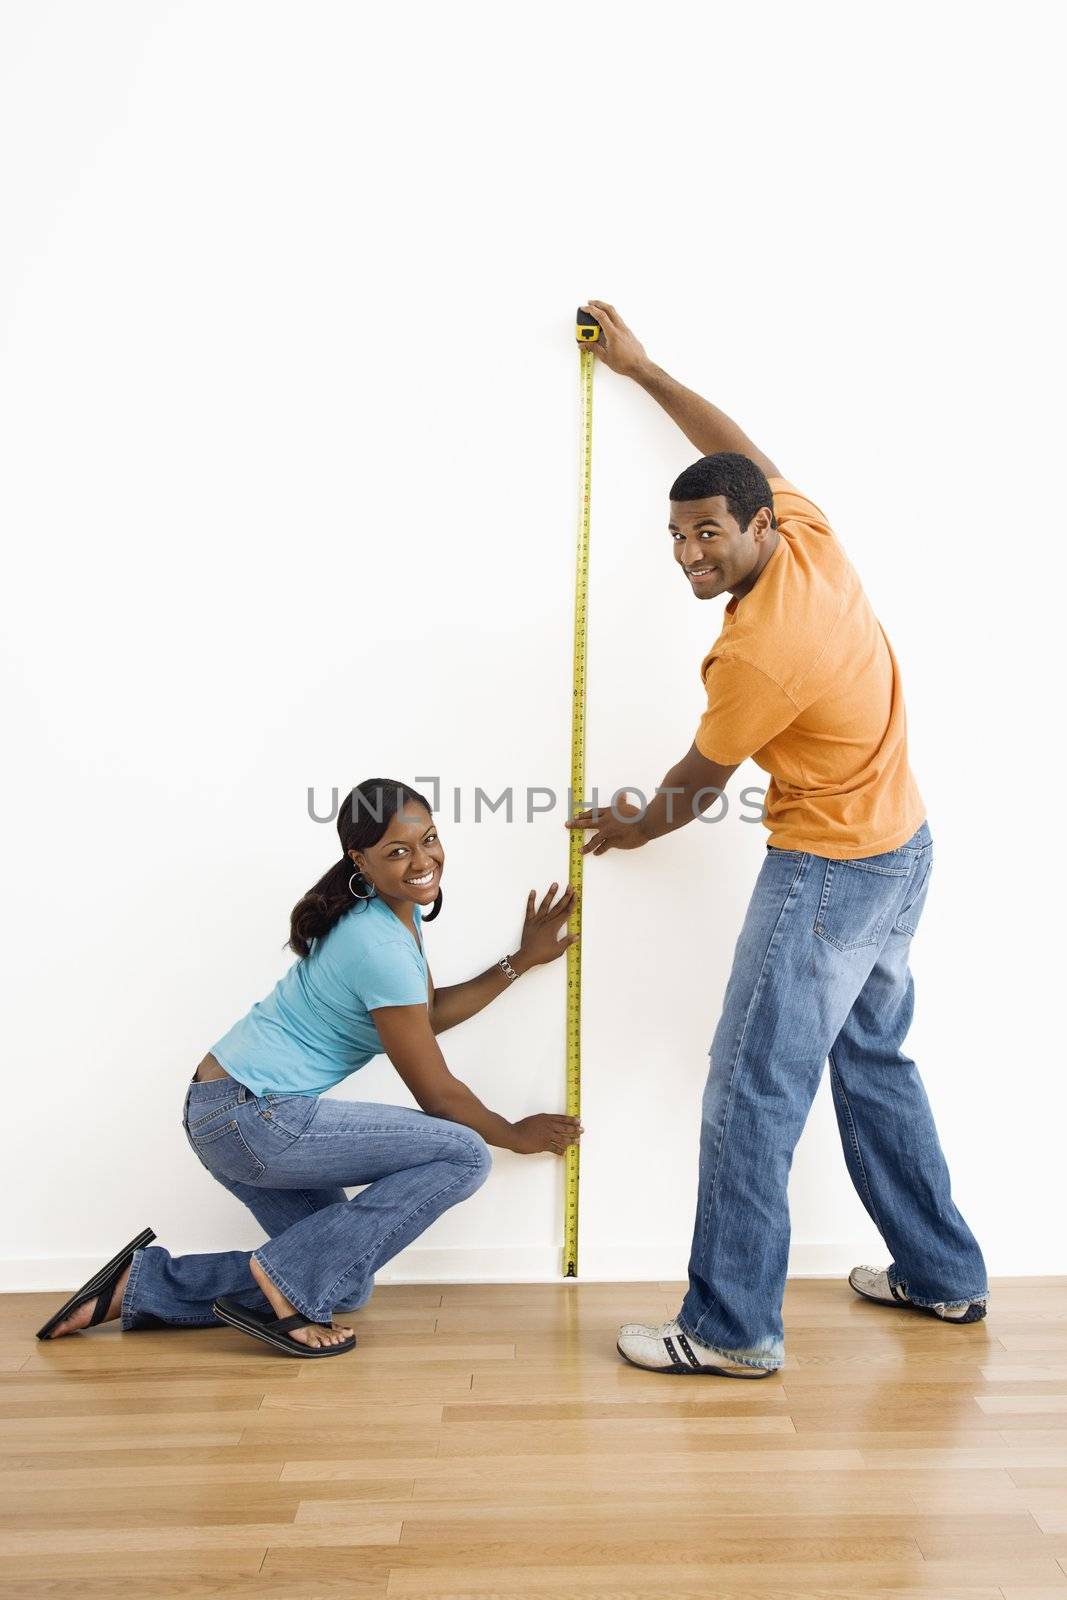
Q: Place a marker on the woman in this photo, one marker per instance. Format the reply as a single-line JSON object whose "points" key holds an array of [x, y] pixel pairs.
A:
{"points": [[254, 1116]]}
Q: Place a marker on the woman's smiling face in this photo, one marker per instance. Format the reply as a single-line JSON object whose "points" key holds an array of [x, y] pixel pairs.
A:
{"points": [[408, 860]]}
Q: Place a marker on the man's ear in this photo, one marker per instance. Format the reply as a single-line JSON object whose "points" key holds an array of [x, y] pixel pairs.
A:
{"points": [[761, 523]]}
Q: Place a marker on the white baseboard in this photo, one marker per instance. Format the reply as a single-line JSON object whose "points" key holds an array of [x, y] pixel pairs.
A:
{"points": [[599, 1263], [531, 1264]]}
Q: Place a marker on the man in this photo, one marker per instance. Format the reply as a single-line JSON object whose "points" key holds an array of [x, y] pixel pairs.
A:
{"points": [[802, 679]]}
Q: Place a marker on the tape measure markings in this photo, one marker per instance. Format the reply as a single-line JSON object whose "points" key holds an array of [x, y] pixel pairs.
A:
{"points": [[587, 332]]}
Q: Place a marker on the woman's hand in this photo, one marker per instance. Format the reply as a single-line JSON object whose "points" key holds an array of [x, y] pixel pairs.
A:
{"points": [[540, 933], [545, 1131]]}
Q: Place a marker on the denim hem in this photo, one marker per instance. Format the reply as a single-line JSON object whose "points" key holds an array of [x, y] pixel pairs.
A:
{"points": [[944, 1305], [293, 1299], [731, 1355], [127, 1314], [978, 1298]]}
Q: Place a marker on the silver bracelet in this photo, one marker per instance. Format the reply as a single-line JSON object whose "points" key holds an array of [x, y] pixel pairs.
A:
{"points": [[507, 969]]}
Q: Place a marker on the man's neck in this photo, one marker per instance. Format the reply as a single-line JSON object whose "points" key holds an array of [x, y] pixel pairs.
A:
{"points": [[749, 583]]}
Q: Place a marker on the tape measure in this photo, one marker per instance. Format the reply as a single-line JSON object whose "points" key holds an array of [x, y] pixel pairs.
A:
{"points": [[587, 332]]}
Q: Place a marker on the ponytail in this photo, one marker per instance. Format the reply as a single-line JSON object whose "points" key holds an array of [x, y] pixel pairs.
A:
{"points": [[317, 911]]}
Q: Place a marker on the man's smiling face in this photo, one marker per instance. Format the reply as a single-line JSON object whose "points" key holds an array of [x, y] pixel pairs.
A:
{"points": [[714, 552]]}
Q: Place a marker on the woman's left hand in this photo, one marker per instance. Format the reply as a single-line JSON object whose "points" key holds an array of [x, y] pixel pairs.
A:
{"points": [[540, 933]]}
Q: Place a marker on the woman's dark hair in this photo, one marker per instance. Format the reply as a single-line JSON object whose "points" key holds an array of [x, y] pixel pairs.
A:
{"points": [[732, 475], [363, 818]]}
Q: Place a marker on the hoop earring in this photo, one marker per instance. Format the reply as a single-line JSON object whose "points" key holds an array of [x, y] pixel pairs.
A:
{"points": [[355, 892]]}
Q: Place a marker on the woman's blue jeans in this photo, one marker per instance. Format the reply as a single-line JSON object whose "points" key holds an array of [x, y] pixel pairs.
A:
{"points": [[286, 1157], [820, 971]]}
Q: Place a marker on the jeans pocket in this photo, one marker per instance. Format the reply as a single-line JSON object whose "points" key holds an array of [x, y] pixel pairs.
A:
{"points": [[197, 1115], [224, 1152], [287, 1115], [859, 899]]}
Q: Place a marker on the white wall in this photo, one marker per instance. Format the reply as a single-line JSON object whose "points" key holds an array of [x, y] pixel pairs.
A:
{"points": [[288, 405]]}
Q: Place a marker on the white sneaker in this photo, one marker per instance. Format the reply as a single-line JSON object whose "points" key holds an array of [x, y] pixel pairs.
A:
{"points": [[873, 1284], [667, 1349]]}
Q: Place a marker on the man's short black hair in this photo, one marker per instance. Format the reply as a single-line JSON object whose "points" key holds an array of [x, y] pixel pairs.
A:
{"points": [[736, 477]]}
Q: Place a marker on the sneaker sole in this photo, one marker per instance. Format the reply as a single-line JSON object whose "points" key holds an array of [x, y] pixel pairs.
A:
{"points": [[697, 1372], [974, 1312]]}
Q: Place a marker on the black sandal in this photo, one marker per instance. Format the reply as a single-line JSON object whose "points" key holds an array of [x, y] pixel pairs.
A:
{"points": [[101, 1284], [274, 1330]]}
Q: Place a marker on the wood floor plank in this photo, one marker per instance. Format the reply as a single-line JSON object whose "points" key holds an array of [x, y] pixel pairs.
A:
{"points": [[121, 1443], [1040, 1404], [522, 1571], [566, 1438], [430, 1382], [112, 1506], [694, 1403], [357, 1585], [140, 1573], [116, 1541], [383, 1412]]}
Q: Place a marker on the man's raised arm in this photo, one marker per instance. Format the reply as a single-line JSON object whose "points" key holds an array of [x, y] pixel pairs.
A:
{"points": [[708, 428]]}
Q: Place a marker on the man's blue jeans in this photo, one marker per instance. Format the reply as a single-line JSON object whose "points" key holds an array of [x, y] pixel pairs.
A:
{"points": [[820, 970], [286, 1157]]}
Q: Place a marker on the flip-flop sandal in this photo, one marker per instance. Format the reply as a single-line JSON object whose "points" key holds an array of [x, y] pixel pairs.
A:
{"points": [[102, 1284], [273, 1330]]}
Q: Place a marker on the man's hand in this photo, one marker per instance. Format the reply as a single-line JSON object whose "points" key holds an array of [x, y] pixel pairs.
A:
{"points": [[689, 789], [617, 347], [708, 428], [618, 830]]}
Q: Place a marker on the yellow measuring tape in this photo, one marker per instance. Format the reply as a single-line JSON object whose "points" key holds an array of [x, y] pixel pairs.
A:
{"points": [[587, 332]]}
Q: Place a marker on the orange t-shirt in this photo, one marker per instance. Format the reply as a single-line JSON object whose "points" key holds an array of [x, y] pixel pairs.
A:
{"points": [[803, 679]]}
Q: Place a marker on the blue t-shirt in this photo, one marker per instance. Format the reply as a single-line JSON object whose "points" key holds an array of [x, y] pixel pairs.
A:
{"points": [[315, 1027]]}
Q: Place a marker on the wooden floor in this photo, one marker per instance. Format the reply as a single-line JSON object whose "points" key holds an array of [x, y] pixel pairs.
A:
{"points": [[488, 1441]]}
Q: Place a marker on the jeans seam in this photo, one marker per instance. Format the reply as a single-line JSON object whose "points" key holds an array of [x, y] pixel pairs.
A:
{"points": [[757, 989], [910, 927], [835, 1077], [389, 1129]]}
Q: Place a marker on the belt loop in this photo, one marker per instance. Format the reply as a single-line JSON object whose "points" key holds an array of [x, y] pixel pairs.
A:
{"points": [[241, 1095]]}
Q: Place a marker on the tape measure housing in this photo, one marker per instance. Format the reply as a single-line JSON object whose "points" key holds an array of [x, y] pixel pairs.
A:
{"points": [[587, 329]]}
